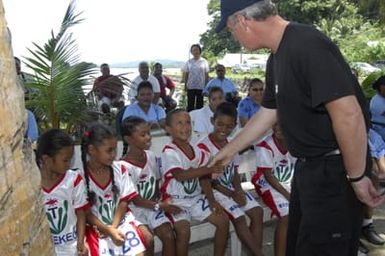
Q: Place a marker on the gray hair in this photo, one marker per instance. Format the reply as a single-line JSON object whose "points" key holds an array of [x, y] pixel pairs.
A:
{"points": [[259, 11]]}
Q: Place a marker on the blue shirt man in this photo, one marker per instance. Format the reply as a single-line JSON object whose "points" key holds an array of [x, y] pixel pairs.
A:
{"points": [[153, 115], [221, 81]]}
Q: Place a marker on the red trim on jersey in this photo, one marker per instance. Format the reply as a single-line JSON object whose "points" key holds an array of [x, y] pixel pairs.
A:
{"points": [[123, 169], [79, 178], [167, 147], [203, 157], [136, 164], [264, 144], [283, 151], [264, 169], [140, 234], [213, 141], [49, 190], [84, 207], [254, 179], [129, 197], [203, 147], [268, 199], [185, 153], [92, 240], [97, 183], [168, 178]]}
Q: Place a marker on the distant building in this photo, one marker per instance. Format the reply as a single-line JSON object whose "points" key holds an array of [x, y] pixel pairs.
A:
{"points": [[252, 60]]}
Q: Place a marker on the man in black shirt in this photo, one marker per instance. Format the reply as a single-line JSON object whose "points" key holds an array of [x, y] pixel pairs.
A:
{"points": [[324, 117]]}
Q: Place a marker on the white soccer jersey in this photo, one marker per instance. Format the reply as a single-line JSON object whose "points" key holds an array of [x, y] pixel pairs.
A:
{"points": [[61, 202], [270, 156], [226, 179], [174, 159], [106, 202], [145, 176]]}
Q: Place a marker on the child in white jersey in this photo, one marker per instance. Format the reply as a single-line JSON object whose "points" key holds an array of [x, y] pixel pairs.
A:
{"points": [[143, 167], [275, 169], [110, 189], [64, 195], [183, 169], [228, 191]]}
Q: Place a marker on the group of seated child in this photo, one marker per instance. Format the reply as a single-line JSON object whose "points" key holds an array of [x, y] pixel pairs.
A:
{"points": [[115, 207]]}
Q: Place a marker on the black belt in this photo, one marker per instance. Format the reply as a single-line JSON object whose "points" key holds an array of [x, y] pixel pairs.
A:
{"points": [[334, 152]]}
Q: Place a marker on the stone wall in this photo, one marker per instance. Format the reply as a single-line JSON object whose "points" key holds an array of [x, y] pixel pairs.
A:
{"points": [[23, 227]]}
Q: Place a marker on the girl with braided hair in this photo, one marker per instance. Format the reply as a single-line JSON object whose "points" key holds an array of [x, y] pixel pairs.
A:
{"points": [[109, 190]]}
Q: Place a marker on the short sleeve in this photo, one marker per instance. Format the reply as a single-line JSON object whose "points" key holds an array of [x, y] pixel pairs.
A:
{"points": [[123, 181], [328, 76], [185, 67], [170, 162], [206, 66], [79, 195], [269, 97], [242, 109], [128, 112], [265, 159], [161, 114], [170, 84], [155, 85]]}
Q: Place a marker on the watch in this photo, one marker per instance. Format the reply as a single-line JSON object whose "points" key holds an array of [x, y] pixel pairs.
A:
{"points": [[156, 207]]}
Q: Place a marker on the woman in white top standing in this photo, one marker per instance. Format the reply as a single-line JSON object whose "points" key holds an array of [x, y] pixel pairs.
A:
{"points": [[195, 77]]}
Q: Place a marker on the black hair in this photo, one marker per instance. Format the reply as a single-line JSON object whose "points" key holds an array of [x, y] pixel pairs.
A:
{"points": [[157, 64], [254, 81], [380, 81], [129, 125], [171, 113], [226, 108], [50, 143], [95, 135], [144, 84], [215, 89], [197, 46], [104, 65]]}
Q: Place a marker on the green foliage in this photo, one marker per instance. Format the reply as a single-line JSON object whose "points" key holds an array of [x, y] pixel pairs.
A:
{"points": [[58, 77], [367, 84]]}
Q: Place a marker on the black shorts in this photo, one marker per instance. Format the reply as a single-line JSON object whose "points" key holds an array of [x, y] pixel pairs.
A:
{"points": [[325, 215]]}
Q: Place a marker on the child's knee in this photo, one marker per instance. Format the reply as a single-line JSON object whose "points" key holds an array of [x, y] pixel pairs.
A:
{"points": [[182, 231], [255, 214], [220, 221], [165, 233], [147, 235]]}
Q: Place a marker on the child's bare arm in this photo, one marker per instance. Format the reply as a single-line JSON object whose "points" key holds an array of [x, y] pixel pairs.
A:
{"points": [[275, 183], [208, 191], [217, 186], [80, 229], [193, 173], [119, 213], [117, 236]]}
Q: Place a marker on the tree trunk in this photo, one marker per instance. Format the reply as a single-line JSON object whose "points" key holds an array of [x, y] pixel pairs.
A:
{"points": [[23, 226]]}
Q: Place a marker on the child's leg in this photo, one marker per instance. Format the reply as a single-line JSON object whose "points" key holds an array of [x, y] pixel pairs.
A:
{"points": [[280, 236], [256, 225], [221, 222], [182, 230], [149, 238], [245, 235], [166, 235]]}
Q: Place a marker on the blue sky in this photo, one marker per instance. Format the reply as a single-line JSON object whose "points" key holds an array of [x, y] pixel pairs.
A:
{"points": [[113, 30]]}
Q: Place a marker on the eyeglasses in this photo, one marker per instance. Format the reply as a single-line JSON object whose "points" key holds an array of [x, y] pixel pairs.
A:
{"points": [[257, 89]]}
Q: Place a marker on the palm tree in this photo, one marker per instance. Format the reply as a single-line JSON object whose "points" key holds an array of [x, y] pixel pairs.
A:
{"points": [[58, 76]]}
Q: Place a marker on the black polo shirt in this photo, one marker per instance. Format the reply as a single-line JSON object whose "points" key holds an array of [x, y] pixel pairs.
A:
{"points": [[306, 72]]}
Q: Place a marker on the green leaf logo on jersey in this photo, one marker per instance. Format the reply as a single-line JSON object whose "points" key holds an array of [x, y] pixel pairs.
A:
{"points": [[283, 173], [57, 217], [107, 208], [189, 186], [147, 188], [227, 176]]}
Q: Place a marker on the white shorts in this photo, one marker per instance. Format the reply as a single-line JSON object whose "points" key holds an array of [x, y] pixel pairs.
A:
{"points": [[67, 249], [152, 219], [194, 208], [278, 204], [232, 208]]}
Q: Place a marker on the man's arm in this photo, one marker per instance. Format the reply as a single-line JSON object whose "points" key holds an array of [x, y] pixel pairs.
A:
{"points": [[350, 131], [255, 128]]}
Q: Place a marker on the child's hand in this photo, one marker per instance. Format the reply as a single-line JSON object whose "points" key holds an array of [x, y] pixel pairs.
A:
{"points": [[82, 249], [217, 169], [170, 208], [239, 197], [215, 207], [117, 236]]}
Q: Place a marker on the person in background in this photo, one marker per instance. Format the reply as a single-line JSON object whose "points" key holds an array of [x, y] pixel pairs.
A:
{"points": [[228, 87], [324, 118], [144, 75], [195, 77], [145, 108], [377, 107], [252, 103], [165, 82], [32, 130], [201, 118], [108, 89]]}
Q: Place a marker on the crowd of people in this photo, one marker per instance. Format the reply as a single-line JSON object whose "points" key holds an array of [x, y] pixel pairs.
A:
{"points": [[320, 153]]}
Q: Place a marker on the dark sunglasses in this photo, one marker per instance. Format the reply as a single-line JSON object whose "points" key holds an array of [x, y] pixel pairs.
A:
{"points": [[257, 89]]}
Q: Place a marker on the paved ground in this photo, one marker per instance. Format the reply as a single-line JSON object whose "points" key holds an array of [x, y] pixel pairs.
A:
{"points": [[205, 248]]}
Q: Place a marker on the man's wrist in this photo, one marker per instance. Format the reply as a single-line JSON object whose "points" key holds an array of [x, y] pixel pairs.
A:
{"points": [[356, 179]]}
